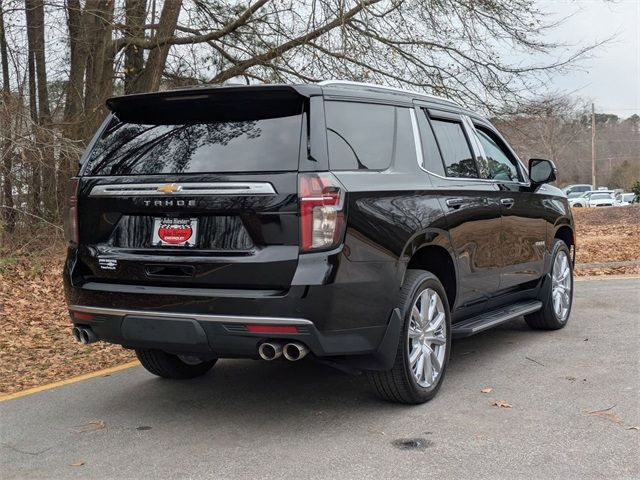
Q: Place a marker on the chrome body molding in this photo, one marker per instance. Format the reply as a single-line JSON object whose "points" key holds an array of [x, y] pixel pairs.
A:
{"points": [[182, 189], [116, 312]]}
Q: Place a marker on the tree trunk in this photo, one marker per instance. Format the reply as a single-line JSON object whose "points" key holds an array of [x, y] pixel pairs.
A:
{"points": [[135, 13], [99, 77], [150, 79], [35, 185], [9, 215], [73, 108]]}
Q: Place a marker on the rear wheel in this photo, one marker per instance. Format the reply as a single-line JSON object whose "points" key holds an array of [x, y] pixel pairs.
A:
{"points": [[425, 342], [557, 296], [167, 365]]}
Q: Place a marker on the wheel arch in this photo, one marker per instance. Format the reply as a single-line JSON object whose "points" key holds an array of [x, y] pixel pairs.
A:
{"points": [[431, 251]]}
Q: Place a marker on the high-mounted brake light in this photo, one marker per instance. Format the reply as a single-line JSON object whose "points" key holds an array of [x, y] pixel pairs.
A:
{"points": [[321, 211], [72, 229]]}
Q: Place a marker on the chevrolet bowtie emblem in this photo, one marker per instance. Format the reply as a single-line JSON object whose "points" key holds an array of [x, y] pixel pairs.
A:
{"points": [[169, 188]]}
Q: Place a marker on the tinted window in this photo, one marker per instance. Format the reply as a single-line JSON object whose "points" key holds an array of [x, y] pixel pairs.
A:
{"points": [[500, 165], [432, 160], [360, 135], [268, 144], [458, 160]]}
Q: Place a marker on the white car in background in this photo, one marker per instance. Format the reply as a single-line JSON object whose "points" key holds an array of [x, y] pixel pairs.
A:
{"points": [[583, 200], [624, 199], [577, 188], [601, 200]]}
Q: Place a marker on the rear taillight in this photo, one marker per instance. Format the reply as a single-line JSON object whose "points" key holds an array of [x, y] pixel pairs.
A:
{"points": [[71, 230], [321, 211]]}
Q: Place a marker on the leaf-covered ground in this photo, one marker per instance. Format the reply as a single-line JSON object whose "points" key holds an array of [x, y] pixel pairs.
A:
{"points": [[608, 235], [36, 346]]}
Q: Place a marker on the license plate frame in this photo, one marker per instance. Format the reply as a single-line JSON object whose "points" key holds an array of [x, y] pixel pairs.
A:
{"points": [[175, 232]]}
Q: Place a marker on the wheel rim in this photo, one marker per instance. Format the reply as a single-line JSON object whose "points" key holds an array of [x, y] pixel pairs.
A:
{"points": [[561, 286], [427, 338], [190, 359]]}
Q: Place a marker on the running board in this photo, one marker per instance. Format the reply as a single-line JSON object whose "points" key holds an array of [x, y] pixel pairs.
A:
{"points": [[484, 321]]}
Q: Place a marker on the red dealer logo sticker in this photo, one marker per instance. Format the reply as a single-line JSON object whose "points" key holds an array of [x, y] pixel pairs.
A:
{"points": [[175, 234]]}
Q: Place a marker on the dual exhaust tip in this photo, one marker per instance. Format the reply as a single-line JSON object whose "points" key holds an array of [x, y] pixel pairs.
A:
{"points": [[292, 351], [84, 335]]}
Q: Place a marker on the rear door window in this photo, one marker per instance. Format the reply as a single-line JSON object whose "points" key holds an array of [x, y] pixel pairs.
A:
{"points": [[456, 153], [248, 145]]}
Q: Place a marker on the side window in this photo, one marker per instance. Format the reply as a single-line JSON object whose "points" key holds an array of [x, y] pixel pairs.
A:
{"points": [[456, 154], [501, 166], [360, 135], [432, 160]]}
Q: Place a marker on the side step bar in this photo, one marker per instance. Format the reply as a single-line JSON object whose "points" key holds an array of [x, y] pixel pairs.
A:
{"points": [[484, 321]]}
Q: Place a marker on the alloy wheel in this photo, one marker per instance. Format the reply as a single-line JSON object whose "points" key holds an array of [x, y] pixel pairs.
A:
{"points": [[427, 338], [561, 286]]}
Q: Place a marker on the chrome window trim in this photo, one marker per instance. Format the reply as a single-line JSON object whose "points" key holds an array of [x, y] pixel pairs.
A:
{"points": [[417, 141], [464, 179], [183, 188], [192, 316]]}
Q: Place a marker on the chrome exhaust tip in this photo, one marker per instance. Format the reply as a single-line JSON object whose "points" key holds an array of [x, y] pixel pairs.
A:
{"points": [[270, 351], [84, 335], [295, 351], [77, 336]]}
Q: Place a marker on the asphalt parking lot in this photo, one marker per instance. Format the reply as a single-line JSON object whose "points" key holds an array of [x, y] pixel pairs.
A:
{"points": [[574, 396]]}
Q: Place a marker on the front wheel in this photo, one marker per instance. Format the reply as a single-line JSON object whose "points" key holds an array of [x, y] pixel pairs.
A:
{"points": [[167, 365], [557, 294], [425, 342]]}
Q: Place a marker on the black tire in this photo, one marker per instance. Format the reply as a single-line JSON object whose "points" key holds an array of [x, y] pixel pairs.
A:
{"points": [[399, 384], [167, 365], [546, 318]]}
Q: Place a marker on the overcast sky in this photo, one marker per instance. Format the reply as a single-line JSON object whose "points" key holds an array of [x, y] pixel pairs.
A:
{"points": [[611, 77]]}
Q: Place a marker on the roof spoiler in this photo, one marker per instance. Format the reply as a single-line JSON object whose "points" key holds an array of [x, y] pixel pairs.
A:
{"points": [[211, 104]]}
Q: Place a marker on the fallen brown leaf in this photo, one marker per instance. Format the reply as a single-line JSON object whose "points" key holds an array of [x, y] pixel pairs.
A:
{"points": [[604, 413], [502, 404], [92, 426], [487, 390], [633, 428]]}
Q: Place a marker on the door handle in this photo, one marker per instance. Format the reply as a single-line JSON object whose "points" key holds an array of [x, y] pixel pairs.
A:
{"points": [[507, 202], [454, 202]]}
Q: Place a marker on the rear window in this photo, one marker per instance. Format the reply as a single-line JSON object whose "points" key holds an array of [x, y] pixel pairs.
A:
{"points": [[246, 145]]}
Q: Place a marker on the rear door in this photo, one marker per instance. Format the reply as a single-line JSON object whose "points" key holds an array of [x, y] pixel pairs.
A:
{"points": [[194, 191]]}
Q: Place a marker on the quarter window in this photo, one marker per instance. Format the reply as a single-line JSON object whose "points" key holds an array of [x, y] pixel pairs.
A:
{"points": [[360, 135], [500, 165], [456, 154]]}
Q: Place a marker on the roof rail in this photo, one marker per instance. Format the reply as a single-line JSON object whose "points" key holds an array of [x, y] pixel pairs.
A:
{"points": [[384, 87]]}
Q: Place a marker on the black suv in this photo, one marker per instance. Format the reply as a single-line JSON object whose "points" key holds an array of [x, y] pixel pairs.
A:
{"points": [[363, 225]]}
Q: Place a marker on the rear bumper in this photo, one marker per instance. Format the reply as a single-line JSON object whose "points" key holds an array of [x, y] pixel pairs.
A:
{"points": [[228, 336], [339, 308]]}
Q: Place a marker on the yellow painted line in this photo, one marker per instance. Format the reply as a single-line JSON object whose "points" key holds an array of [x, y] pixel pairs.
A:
{"points": [[69, 381], [590, 278]]}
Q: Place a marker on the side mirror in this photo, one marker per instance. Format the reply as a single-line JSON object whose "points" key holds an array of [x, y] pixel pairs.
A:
{"points": [[542, 171]]}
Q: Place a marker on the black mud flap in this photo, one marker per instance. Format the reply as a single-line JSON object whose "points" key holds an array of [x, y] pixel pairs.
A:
{"points": [[385, 356]]}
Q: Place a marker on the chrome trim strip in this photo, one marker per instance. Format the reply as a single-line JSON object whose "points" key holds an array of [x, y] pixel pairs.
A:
{"points": [[193, 316], [416, 138], [181, 189], [385, 87]]}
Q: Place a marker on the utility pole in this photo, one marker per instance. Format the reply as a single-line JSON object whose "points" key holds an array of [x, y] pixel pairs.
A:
{"points": [[593, 146]]}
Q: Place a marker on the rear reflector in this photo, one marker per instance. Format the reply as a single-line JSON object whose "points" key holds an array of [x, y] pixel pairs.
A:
{"points": [[82, 317], [272, 329]]}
